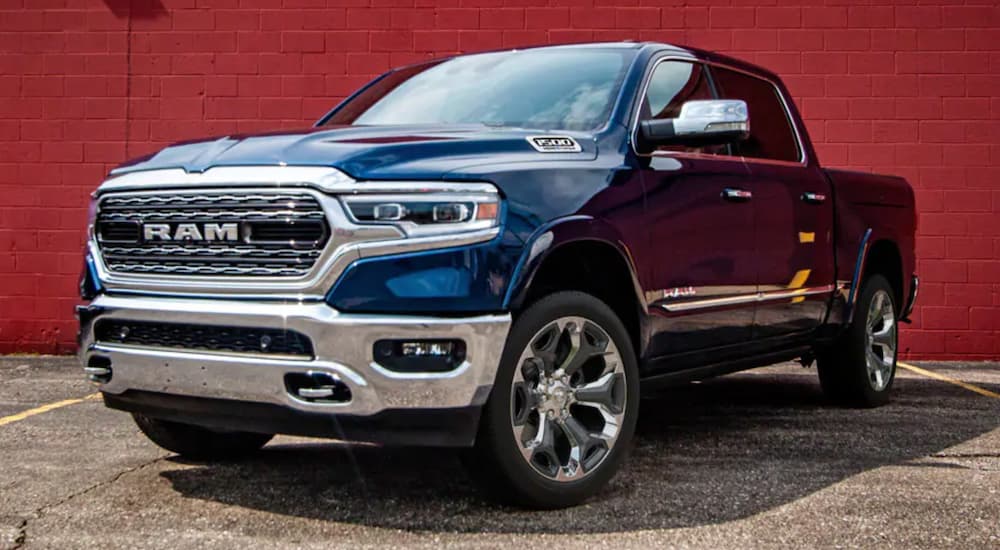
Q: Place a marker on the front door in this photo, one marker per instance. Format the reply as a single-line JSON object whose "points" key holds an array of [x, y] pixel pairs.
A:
{"points": [[702, 277]]}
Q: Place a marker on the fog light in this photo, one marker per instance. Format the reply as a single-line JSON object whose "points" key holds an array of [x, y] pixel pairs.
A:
{"points": [[419, 355], [419, 349]]}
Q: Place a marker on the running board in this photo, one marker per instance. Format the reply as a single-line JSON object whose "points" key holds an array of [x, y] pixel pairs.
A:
{"points": [[658, 381]]}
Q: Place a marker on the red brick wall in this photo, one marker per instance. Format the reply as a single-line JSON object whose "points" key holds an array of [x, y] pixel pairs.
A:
{"points": [[908, 88]]}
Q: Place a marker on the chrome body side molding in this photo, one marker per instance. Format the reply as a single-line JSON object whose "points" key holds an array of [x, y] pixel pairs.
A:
{"points": [[772, 295]]}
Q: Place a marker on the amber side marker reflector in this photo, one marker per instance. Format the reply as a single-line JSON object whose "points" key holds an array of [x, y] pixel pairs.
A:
{"points": [[487, 211]]}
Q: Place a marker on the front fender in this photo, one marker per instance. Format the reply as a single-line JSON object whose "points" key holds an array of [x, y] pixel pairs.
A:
{"points": [[560, 232]]}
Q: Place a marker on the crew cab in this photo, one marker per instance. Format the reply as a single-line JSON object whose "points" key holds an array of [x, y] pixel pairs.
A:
{"points": [[497, 251]]}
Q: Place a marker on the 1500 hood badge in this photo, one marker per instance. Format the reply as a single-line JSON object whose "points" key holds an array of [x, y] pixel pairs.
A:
{"points": [[554, 144]]}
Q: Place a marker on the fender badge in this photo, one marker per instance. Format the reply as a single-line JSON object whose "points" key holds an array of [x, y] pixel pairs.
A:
{"points": [[680, 292], [554, 144]]}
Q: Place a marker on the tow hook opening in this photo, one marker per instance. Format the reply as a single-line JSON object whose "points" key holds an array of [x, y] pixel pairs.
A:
{"points": [[98, 369], [317, 387]]}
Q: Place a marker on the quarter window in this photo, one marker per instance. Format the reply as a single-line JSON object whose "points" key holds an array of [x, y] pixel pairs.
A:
{"points": [[771, 134]]}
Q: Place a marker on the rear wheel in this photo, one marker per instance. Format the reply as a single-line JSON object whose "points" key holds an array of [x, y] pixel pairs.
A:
{"points": [[860, 368], [198, 443], [562, 412]]}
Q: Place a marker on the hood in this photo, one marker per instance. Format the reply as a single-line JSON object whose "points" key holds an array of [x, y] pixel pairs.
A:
{"points": [[366, 152]]}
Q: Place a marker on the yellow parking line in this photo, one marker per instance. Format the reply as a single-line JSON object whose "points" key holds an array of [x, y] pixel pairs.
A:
{"points": [[943, 378], [43, 409]]}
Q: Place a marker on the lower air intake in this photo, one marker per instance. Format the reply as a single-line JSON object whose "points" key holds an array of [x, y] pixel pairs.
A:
{"points": [[211, 338]]}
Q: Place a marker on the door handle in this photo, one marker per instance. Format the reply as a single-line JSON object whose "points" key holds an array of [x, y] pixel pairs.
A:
{"points": [[736, 195], [813, 198]]}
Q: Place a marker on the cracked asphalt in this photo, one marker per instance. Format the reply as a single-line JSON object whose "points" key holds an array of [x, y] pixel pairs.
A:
{"points": [[757, 459]]}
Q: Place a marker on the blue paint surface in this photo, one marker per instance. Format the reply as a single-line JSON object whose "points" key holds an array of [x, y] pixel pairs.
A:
{"points": [[467, 279]]}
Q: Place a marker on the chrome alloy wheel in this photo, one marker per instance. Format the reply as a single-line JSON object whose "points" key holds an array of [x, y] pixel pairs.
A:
{"points": [[880, 348], [568, 398]]}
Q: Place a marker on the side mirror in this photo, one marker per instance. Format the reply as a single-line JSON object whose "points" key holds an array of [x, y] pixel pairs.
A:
{"points": [[700, 123]]}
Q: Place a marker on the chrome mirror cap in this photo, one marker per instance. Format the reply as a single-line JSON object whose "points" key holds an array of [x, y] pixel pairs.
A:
{"points": [[712, 116], [700, 123]]}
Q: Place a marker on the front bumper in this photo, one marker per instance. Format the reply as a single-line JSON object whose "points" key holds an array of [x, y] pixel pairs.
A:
{"points": [[144, 379]]}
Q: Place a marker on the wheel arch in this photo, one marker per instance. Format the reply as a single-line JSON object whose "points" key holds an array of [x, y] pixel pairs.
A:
{"points": [[884, 259], [565, 255]]}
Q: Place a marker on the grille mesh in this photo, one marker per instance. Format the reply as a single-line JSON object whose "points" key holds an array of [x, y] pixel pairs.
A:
{"points": [[280, 234], [204, 337]]}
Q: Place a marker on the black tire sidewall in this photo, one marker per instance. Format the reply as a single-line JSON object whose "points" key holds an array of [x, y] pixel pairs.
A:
{"points": [[496, 441], [199, 443], [845, 371]]}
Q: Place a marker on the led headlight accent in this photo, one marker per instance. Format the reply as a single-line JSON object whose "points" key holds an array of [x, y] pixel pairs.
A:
{"points": [[427, 211], [390, 212]]}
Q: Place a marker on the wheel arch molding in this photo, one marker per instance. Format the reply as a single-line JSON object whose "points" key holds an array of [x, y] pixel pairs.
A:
{"points": [[879, 254]]}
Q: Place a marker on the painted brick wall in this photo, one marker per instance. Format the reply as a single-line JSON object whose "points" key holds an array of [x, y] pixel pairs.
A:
{"points": [[902, 87]]}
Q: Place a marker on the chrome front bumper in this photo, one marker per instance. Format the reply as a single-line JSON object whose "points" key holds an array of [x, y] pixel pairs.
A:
{"points": [[342, 344]]}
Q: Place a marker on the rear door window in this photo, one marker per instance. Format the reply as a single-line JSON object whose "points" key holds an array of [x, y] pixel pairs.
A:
{"points": [[771, 133]]}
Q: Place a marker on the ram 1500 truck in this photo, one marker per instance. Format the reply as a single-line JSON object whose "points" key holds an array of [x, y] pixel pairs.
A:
{"points": [[494, 251]]}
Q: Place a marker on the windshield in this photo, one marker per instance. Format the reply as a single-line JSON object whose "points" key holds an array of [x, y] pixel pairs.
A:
{"points": [[557, 89]]}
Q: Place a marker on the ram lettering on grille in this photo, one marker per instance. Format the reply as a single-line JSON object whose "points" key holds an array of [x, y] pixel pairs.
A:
{"points": [[191, 232]]}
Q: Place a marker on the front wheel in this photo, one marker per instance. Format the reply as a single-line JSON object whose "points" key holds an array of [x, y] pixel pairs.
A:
{"points": [[860, 368], [562, 412]]}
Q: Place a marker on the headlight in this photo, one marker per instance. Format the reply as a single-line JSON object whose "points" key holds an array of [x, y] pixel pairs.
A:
{"points": [[428, 210]]}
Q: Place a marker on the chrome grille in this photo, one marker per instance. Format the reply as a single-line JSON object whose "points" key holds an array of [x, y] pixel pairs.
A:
{"points": [[277, 234]]}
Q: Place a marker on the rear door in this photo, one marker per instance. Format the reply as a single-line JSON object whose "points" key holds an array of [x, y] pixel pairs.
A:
{"points": [[793, 209], [702, 269]]}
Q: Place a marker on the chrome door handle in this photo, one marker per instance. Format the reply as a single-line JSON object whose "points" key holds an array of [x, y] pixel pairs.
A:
{"points": [[813, 198], [736, 195]]}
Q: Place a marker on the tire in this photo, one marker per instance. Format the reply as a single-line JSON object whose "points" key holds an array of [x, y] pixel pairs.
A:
{"points": [[859, 369], [534, 383], [198, 443]]}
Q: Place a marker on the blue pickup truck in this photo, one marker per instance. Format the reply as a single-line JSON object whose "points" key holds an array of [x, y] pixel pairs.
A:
{"points": [[496, 251]]}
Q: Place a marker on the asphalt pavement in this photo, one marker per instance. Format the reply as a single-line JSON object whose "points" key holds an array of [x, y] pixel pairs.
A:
{"points": [[752, 460]]}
